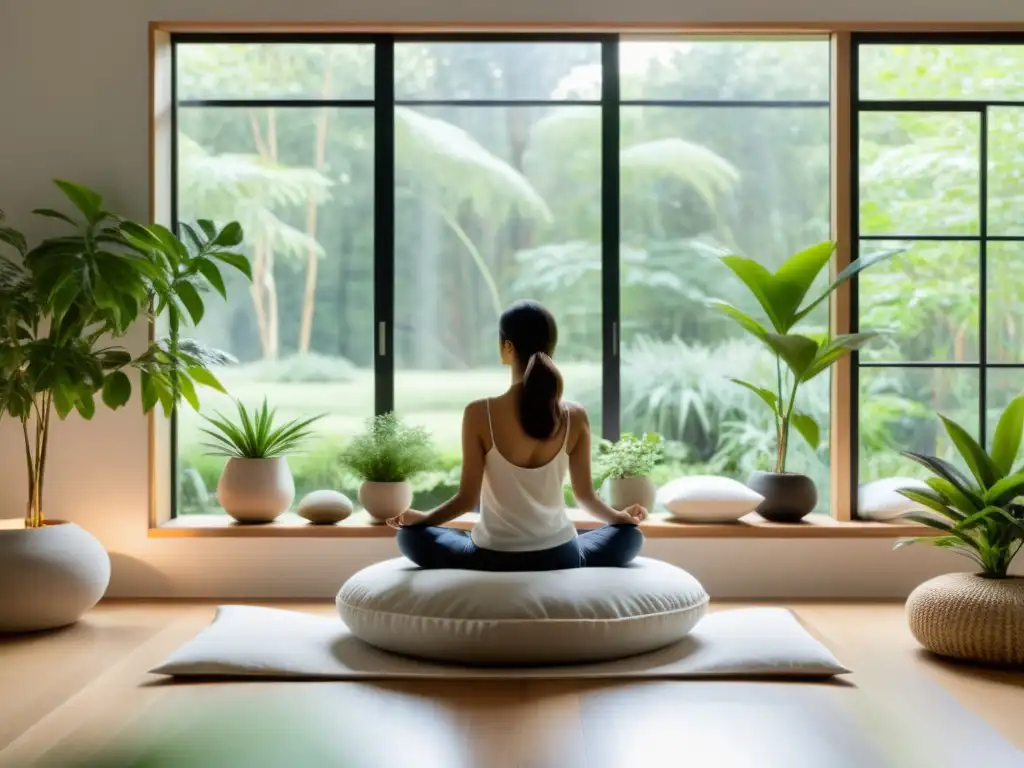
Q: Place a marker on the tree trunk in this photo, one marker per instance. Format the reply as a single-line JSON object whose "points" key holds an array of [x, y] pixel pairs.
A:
{"points": [[319, 157]]}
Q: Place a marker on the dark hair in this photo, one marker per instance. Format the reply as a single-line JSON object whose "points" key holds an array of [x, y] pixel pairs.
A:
{"points": [[532, 332]]}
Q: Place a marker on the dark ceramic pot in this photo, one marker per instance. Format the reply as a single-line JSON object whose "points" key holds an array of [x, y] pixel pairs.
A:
{"points": [[788, 498]]}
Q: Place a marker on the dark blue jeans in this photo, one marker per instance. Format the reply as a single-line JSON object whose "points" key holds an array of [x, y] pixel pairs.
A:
{"points": [[612, 546]]}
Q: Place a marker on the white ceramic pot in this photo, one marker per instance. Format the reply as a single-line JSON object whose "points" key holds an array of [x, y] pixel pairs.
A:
{"points": [[49, 576], [256, 490], [385, 500], [625, 491]]}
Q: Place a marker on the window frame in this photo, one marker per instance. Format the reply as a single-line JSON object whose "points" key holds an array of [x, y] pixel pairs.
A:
{"points": [[983, 238], [611, 103]]}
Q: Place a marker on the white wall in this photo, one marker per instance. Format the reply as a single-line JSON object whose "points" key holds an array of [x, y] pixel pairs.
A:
{"points": [[73, 104]]}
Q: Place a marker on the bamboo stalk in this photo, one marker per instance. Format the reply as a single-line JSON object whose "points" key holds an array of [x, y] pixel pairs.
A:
{"points": [[30, 468]]}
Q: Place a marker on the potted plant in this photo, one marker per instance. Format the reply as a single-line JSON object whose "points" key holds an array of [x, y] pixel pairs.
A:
{"points": [[256, 485], [384, 457], [627, 465], [799, 358], [975, 616], [64, 304]]}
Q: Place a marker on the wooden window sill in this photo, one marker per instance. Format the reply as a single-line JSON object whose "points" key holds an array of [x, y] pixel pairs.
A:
{"points": [[360, 525]]}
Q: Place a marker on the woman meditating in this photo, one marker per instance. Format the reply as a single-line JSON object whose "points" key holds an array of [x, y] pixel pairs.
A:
{"points": [[516, 451]]}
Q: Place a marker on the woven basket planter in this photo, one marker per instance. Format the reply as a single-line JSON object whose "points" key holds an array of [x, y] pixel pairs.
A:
{"points": [[969, 617]]}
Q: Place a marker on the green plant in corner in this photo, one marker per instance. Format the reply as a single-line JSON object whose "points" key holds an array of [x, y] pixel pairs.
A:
{"points": [[254, 435], [629, 456], [389, 451], [798, 357], [977, 516], [66, 302]]}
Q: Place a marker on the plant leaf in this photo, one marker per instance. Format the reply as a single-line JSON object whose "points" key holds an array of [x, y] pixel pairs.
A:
{"points": [[230, 236], [117, 389], [52, 214], [1006, 439], [855, 267], [835, 349], [808, 428], [748, 323], [762, 284], [798, 352], [190, 298], [84, 199], [206, 378], [236, 260], [213, 277], [769, 397], [949, 473], [981, 466], [795, 277]]}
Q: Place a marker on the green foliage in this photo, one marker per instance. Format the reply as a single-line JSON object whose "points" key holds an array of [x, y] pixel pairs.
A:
{"points": [[978, 516], [68, 301], [781, 295], [389, 451], [299, 369], [630, 456], [254, 435]]}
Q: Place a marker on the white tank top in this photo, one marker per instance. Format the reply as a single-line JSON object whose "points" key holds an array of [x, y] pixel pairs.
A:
{"points": [[522, 509]]}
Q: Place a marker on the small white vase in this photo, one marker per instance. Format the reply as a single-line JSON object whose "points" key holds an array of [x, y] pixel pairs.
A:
{"points": [[49, 576], [385, 500], [626, 491], [256, 490]]}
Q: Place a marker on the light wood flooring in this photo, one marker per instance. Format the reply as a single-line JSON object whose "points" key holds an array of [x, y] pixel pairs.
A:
{"points": [[77, 693]]}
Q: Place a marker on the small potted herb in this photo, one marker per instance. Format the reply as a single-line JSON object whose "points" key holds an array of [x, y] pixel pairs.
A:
{"points": [[384, 457], [628, 464], [256, 485]]}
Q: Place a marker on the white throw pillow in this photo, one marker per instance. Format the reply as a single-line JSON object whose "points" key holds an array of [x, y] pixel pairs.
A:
{"points": [[708, 499], [880, 500]]}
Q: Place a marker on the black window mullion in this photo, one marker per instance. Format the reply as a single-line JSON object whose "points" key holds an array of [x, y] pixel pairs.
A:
{"points": [[983, 276], [384, 225], [610, 238]]}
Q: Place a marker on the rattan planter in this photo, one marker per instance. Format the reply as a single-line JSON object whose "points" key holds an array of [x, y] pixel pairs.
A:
{"points": [[969, 617]]}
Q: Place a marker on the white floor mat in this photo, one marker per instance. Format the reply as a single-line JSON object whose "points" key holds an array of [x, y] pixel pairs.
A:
{"points": [[247, 641]]}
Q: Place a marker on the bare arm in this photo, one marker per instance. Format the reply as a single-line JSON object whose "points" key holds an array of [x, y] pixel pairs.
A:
{"points": [[582, 479], [468, 496]]}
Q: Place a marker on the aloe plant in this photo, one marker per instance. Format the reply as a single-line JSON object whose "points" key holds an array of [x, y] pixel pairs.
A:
{"points": [[255, 436], [977, 515], [798, 357]]}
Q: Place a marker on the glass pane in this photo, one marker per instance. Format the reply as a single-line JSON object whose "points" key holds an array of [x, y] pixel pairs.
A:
{"points": [[498, 71], [1006, 302], [928, 72], [698, 183], [304, 338], [899, 410], [725, 70], [919, 173], [274, 71], [1005, 173], [1004, 384], [924, 301], [493, 204]]}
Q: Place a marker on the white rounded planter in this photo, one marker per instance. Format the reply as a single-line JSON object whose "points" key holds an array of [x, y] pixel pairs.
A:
{"points": [[385, 500], [49, 576], [256, 490], [626, 491]]}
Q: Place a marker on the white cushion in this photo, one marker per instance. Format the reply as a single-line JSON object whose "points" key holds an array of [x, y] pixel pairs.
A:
{"points": [[879, 500], [250, 641], [578, 615], [708, 499]]}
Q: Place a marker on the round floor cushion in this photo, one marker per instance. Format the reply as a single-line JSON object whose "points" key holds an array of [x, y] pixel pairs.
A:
{"points": [[469, 617]]}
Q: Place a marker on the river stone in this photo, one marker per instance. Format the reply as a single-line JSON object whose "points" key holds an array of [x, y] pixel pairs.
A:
{"points": [[325, 507]]}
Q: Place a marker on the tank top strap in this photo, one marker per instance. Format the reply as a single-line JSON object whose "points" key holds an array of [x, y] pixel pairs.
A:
{"points": [[490, 424]]}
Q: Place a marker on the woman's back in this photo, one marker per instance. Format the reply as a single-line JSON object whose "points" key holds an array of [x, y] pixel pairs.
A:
{"points": [[522, 503]]}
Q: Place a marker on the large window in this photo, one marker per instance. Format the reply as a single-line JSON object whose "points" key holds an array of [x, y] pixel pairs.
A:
{"points": [[939, 124], [397, 192]]}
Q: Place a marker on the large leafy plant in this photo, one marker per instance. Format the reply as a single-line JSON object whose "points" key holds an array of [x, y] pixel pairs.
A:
{"points": [[254, 435], [799, 358], [389, 451], [977, 516], [66, 302]]}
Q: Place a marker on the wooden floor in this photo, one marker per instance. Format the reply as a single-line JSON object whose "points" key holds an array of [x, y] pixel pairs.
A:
{"points": [[81, 692]]}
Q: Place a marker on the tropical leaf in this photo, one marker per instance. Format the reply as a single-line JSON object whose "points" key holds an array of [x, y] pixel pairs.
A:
{"points": [[796, 276], [762, 285], [798, 352], [1006, 439], [951, 474], [852, 270], [808, 429], [769, 397], [984, 470], [835, 349]]}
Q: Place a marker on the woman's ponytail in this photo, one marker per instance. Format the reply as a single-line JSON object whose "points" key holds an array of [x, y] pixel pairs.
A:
{"points": [[532, 332], [541, 401]]}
